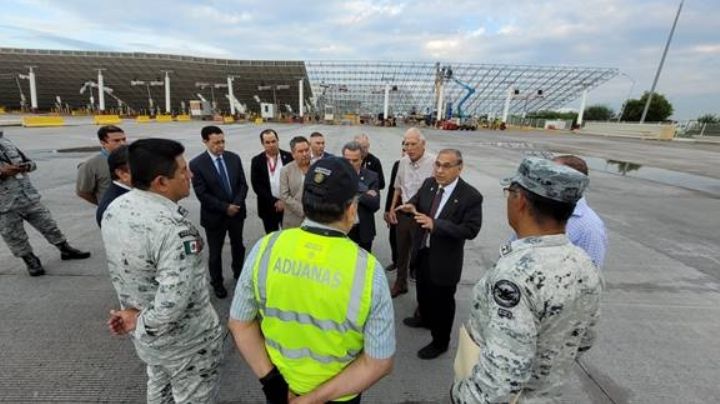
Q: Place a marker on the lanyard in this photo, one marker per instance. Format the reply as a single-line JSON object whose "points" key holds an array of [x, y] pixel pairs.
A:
{"points": [[272, 165]]}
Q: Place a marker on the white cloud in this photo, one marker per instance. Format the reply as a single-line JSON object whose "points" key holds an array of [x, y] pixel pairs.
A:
{"points": [[709, 49], [213, 14], [357, 12]]}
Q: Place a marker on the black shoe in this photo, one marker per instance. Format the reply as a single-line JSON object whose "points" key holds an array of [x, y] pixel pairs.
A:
{"points": [[34, 266], [70, 253], [431, 351], [220, 291], [415, 322]]}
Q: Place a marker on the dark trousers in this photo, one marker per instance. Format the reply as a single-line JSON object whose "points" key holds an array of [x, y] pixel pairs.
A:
{"points": [[216, 240], [272, 222], [355, 236], [393, 243], [436, 303], [404, 233]]}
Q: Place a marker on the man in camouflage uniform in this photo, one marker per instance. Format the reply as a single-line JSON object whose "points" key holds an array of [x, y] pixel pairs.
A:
{"points": [[535, 311], [155, 261], [19, 201]]}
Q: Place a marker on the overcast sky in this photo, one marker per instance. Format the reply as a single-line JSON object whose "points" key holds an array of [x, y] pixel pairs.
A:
{"points": [[629, 35]]}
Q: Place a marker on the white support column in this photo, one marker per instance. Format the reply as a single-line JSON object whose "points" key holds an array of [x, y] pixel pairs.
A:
{"points": [[231, 96], [101, 91], [506, 110], [441, 100], [167, 93], [386, 102], [33, 89], [301, 97], [582, 108]]}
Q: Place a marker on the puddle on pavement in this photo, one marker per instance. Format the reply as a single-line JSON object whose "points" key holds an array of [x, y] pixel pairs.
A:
{"points": [[669, 177], [693, 182]]}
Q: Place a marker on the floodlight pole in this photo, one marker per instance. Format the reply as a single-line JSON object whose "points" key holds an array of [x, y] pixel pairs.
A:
{"points": [[662, 62], [33, 88], [583, 100], [624, 105], [301, 96], [101, 90], [231, 96], [441, 96], [167, 90], [506, 110], [386, 103]]}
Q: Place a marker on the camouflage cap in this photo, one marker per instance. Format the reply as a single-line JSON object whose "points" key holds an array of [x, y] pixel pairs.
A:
{"points": [[550, 180]]}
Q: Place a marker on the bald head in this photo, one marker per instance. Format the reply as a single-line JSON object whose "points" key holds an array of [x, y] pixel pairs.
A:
{"points": [[414, 143], [574, 162], [364, 141]]}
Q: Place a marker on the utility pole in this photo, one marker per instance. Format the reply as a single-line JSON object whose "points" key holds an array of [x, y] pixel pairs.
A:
{"points": [[662, 62]]}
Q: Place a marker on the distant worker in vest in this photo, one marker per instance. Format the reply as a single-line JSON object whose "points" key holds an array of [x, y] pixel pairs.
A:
{"points": [[312, 313], [585, 228], [121, 180], [93, 177]]}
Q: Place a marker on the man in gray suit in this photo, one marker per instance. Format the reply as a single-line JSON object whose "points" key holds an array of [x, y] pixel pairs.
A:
{"points": [[292, 177]]}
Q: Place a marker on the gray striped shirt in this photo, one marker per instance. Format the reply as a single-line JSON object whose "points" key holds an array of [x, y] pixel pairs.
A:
{"points": [[379, 331]]}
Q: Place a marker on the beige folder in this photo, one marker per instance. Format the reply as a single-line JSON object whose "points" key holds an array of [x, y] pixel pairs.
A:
{"points": [[467, 356]]}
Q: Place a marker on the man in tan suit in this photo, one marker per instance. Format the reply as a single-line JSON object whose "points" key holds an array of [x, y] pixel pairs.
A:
{"points": [[291, 182]]}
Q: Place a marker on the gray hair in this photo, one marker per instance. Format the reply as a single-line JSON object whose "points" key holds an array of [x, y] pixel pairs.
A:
{"points": [[456, 152], [415, 131], [352, 146]]}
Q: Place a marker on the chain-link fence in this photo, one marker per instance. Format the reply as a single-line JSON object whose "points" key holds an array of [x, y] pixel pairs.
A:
{"points": [[696, 129]]}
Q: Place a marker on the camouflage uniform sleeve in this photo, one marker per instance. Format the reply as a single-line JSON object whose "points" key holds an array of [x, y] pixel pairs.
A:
{"points": [[175, 265], [589, 338], [506, 359]]}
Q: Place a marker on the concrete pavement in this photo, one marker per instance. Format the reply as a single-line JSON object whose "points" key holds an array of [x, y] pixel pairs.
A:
{"points": [[658, 335]]}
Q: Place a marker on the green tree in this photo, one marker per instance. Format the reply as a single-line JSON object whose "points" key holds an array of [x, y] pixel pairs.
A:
{"points": [[598, 113], [708, 118], [660, 109]]}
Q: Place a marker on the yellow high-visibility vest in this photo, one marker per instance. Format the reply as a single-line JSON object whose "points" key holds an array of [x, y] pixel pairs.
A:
{"points": [[314, 292]]}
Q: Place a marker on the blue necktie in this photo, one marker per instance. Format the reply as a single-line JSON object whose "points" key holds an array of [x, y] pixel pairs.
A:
{"points": [[223, 176]]}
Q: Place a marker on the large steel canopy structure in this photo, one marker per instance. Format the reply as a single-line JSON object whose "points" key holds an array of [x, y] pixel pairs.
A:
{"points": [[348, 86], [358, 87], [62, 73]]}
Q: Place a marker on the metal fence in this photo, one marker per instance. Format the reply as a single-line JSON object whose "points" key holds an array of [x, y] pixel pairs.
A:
{"points": [[695, 129]]}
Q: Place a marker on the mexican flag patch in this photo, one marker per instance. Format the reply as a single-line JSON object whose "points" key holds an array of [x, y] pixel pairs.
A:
{"points": [[193, 246]]}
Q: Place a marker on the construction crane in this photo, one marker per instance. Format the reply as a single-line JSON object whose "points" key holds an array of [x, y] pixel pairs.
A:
{"points": [[462, 122]]}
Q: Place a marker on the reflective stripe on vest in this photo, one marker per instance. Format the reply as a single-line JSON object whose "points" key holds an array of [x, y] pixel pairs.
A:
{"points": [[314, 294]]}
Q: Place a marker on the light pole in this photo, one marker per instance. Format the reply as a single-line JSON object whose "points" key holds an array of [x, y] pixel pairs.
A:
{"points": [[632, 87], [147, 84], [662, 62], [167, 90]]}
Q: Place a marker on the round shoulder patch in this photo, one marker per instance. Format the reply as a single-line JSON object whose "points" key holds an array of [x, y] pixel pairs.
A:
{"points": [[506, 293]]}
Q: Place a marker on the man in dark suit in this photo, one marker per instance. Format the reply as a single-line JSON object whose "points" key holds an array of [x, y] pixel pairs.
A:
{"points": [[121, 180], [265, 180], [369, 160], [363, 232], [317, 147], [219, 183], [448, 211]]}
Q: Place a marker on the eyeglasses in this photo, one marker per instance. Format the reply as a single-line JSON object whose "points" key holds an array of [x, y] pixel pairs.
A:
{"points": [[508, 190], [446, 165]]}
